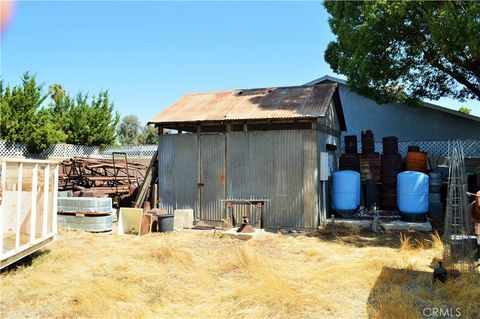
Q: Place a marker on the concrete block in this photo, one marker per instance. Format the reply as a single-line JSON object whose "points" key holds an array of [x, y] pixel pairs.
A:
{"points": [[362, 223], [178, 222], [259, 233], [187, 215], [401, 225]]}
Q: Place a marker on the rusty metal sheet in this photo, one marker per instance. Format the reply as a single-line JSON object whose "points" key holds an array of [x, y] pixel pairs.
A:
{"points": [[267, 103]]}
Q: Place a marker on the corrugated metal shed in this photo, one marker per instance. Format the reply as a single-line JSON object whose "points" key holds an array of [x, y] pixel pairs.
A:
{"points": [[294, 102], [273, 156]]}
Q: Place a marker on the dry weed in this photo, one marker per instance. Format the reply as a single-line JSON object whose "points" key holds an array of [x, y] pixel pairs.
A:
{"points": [[197, 274]]}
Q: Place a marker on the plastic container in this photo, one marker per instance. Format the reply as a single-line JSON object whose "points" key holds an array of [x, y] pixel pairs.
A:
{"points": [[165, 223], [390, 145], [412, 195], [435, 211], [368, 142], [435, 197], [371, 193], [435, 182], [346, 192], [417, 161], [370, 167], [351, 144]]}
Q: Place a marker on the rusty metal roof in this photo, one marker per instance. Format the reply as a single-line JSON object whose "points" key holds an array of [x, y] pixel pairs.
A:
{"points": [[296, 102]]}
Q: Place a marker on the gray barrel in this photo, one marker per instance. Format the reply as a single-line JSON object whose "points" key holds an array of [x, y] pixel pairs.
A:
{"points": [[443, 170], [165, 223], [435, 182]]}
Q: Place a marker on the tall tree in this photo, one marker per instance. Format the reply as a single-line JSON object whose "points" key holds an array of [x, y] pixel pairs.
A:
{"points": [[77, 120], [22, 119], [403, 51], [129, 130], [149, 135], [85, 121]]}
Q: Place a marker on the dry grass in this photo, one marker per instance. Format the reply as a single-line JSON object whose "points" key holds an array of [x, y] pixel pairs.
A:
{"points": [[336, 273]]}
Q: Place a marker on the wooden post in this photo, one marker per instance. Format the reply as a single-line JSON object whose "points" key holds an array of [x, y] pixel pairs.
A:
{"points": [[45, 201], [18, 206], [155, 195], [2, 212], [33, 211]]}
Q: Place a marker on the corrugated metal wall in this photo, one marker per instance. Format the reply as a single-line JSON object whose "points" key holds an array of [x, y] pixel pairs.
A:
{"points": [[178, 172], [280, 166], [212, 176]]}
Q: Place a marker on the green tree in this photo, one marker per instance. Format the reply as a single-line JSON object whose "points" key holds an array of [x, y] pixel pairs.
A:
{"points": [[77, 120], [22, 119], [149, 135], [84, 121], [43, 133], [129, 130], [465, 110], [404, 51]]}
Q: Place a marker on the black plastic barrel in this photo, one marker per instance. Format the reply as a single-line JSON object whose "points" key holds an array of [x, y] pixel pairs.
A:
{"points": [[351, 144], [390, 145], [371, 193], [435, 211], [368, 142]]}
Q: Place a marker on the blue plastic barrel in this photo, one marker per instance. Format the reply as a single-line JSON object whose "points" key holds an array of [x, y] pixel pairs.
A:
{"points": [[346, 192], [412, 195]]}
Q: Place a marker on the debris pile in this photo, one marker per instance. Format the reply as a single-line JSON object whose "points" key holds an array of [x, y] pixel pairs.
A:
{"points": [[93, 177]]}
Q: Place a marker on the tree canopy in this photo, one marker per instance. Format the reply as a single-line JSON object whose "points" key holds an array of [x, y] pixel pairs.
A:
{"points": [[21, 118], [77, 120], [404, 51], [84, 121], [130, 132]]}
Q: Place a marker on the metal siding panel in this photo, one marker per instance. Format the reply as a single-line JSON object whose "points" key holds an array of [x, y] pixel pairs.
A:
{"points": [[287, 201], [186, 172], [212, 168], [270, 165], [310, 180], [177, 172], [248, 170], [166, 194]]}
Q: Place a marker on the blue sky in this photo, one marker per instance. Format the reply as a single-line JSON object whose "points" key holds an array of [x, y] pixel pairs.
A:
{"points": [[148, 54]]}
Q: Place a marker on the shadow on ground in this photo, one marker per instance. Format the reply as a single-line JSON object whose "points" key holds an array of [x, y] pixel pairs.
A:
{"points": [[26, 261], [361, 237], [400, 293]]}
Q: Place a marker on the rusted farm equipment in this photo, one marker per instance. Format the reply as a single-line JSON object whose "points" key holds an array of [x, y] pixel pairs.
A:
{"points": [[93, 177]]}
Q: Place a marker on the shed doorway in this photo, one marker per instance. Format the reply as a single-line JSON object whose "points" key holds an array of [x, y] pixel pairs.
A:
{"points": [[212, 176]]}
